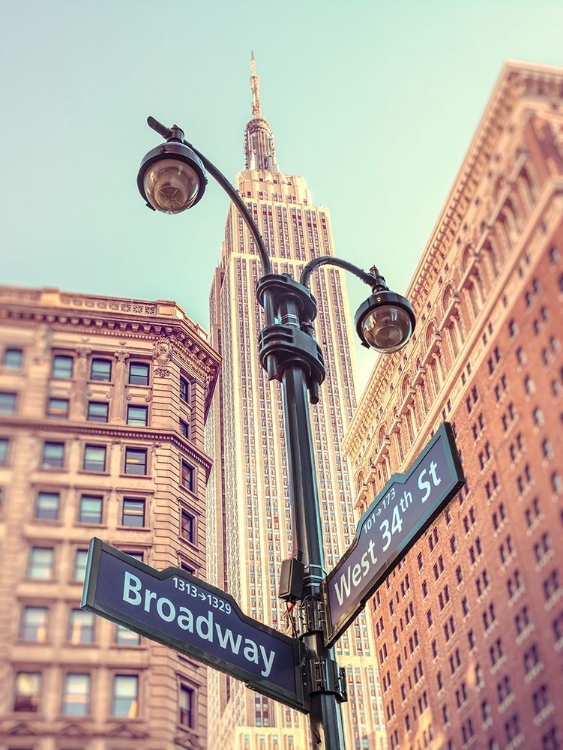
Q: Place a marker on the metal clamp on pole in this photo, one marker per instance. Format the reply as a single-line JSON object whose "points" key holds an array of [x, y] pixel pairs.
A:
{"points": [[324, 676], [311, 617]]}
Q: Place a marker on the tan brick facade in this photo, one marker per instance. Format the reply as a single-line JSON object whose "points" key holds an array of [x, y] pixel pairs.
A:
{"points": [[470, 625], [67, 474]]}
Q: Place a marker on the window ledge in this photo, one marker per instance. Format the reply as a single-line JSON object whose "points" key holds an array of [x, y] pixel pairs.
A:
{"points": [[192, 545], [122, 527], [90, 525], [28, 579], [22, 642]]}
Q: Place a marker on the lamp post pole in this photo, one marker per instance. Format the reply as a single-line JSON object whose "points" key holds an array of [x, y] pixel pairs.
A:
{"points": [[171, 179]]}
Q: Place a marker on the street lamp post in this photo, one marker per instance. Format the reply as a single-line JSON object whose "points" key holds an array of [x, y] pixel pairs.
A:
{"points": [[172, 179]]}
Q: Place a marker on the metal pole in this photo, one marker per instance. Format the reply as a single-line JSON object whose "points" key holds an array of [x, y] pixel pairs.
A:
{"points": [[322, 672]]}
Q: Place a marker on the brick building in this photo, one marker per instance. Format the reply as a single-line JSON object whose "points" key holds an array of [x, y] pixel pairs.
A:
{"points": [[469, 626], [102, 410]]}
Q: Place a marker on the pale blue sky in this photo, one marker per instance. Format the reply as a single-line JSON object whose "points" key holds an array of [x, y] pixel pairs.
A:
{"points": [[375, 103]]}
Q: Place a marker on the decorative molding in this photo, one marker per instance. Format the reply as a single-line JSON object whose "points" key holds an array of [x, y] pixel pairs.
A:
{"points": [[127, 730], [107, 431], [43, 340], [161, 357]]}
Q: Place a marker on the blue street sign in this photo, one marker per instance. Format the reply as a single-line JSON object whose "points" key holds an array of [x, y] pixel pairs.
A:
{"points": [[181, 611], [397, 517]]}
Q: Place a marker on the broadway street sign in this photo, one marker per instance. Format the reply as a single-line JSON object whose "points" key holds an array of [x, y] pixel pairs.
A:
{"points": [[181, 611], [398, 516]]}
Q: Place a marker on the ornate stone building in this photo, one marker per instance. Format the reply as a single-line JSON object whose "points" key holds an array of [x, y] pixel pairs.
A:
{"points": [[249, 512], [102, 410], [470, 625]]}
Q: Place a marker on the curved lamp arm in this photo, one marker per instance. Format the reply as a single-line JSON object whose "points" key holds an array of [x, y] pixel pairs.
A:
{"points": [[372, 279], [240, 204], [177, 134]]}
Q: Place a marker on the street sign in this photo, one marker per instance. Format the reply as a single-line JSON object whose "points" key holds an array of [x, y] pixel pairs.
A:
{"points": [[179, 610], [397, 517]]}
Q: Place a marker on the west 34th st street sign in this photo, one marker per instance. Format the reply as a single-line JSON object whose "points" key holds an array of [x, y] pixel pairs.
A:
{"points": [[183, 612], [397, 517]]}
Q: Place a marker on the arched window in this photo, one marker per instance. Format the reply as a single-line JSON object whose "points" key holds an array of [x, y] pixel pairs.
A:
{"points": [[447, 299], [526, 187], [405, 387], [452, 339], [498, 188], [381, 436], [466, 258], [492, 260]]}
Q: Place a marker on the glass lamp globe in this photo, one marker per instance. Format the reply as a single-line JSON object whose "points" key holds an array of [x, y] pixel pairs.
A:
{"points": [[171, 178], [385, 322], [171, 186]]}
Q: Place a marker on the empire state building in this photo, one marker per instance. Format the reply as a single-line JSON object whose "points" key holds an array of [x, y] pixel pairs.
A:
{"points": [[249, 517]]}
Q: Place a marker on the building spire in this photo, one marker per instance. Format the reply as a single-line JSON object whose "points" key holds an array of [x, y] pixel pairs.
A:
{"points": [[259, 145], [255, 85]]}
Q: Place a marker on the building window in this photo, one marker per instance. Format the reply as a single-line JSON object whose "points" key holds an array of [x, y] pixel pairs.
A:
{"points": [[137, 416], [184, 390], [136, 461], [551, 739], [139, 556], [7, 403], [512, 727], [138, 373], [186, 706], [27, 691], [41, 562], [13, 359], [551, 585], [62, 366], [90, 509], [34, 624], [126, 637], [94, 458], [184, 428], [76, 695], [47, 506], [4, 445], [97, 411], [58, 407], [133, 512], [100, 369], [80, 560], [541, 699], [125, 696], [187, 479], [53, 455], [80, 627], [187, 530]]}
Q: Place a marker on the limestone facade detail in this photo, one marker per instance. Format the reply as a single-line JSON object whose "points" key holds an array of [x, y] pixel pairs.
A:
{"points": [[468, 626], [103, 403]]}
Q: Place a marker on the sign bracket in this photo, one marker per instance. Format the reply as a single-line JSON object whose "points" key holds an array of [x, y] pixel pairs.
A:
{"points": [[325, 676]]}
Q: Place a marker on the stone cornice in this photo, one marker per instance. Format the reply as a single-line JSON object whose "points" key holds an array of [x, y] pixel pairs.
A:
{"points": [[376, 394], [517, 81], [106, 324], [112, 316], [102, 431]]}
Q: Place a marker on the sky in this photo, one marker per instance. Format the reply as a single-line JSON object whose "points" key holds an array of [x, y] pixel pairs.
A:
{"points": [[374, 102]]}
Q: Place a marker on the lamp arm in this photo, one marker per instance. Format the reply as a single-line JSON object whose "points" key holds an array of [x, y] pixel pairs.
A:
{"points": [[233, 194], [372, 279], [176, 133]]}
